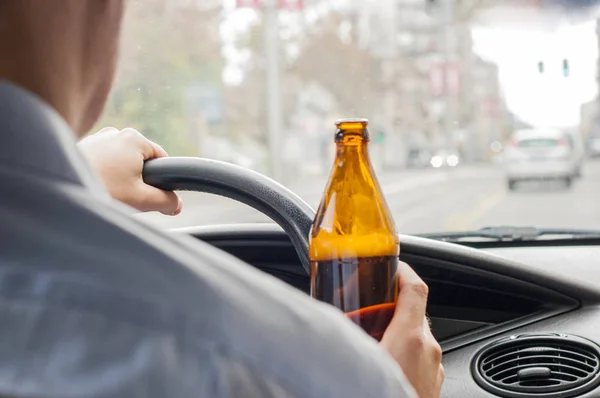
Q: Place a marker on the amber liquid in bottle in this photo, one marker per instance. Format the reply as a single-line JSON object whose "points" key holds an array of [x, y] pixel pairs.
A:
{"points": [[353, 244]]}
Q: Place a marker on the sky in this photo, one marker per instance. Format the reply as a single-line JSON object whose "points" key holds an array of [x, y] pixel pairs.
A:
{"points": [[235, 23], [547, 99]]}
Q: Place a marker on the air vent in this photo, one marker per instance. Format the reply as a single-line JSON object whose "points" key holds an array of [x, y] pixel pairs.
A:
{"points": [[540, 365]]}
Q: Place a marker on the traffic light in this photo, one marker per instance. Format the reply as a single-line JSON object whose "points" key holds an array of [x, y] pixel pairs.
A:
{"points": [[565, 67], [566, 70]]}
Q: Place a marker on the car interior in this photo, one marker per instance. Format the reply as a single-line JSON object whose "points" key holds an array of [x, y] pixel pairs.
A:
{"points": [[515, 317]]}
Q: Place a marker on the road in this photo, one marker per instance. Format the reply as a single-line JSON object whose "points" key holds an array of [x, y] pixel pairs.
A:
{"points": [[434, 200]]}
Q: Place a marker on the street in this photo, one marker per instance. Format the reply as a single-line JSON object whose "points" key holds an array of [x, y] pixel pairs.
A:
{"points": [[434, 200]]}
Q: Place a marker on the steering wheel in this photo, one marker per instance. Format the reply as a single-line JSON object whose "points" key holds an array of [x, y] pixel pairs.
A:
{"points": [[256, 190]]}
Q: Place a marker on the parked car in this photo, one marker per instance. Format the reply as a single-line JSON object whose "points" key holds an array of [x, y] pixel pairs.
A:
{"points": [[418, 158], [541, 154]]}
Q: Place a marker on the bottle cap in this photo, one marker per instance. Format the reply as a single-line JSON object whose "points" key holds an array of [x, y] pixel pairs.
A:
{"points": [[352, 123], [356, 127]]}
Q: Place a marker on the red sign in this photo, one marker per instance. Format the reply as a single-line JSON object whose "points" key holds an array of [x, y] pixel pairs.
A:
{"points": [[444, 78], [490, 107], [436, 80], [290, 4], [452, 79], [247, 3], [281, 4]]}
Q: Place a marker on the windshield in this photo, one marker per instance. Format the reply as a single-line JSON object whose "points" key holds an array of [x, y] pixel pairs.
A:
{"points": [[445, 84]]}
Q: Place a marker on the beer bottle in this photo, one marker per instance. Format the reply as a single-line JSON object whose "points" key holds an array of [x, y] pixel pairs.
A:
{"points": [[353, 244]]}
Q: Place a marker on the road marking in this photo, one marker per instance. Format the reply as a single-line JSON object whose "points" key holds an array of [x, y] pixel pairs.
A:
{"points": [[466, 221]]}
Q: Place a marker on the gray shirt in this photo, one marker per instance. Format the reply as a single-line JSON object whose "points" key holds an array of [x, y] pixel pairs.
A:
{"points": [[96, 304]]}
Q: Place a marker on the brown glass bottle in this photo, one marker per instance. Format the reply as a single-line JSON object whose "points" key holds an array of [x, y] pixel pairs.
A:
{"points": [[353, 244]]}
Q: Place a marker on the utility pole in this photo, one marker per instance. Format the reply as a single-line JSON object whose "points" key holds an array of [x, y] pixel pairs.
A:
{"points": [[598, 62], [448, 40], [271, 30], [384, 47]]}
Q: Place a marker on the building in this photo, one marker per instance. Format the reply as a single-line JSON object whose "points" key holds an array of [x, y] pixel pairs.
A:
{"points": [[437, 92]]}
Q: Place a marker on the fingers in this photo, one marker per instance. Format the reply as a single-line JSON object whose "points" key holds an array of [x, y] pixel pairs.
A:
{"points": [[440, 378], [153, 199], [436, 349], [130, 148], [149, 149], [426, 323], [435, 346], [106, 130], [166, 202], [412, 299], [157, 151]]}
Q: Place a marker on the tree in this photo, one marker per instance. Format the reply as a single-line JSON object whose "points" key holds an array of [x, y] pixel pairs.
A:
{"points": [[168, 46], [340, 66]]}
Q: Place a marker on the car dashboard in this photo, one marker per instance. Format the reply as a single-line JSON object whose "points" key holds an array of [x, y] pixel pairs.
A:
{"points": [[478, 298]]}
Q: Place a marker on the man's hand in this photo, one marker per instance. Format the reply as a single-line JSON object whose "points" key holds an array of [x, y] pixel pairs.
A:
{"points": [[409, 340], [118, 156]]}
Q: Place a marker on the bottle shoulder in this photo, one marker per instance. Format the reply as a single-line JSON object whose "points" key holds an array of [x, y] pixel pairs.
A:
{"points": [[353, 218]]}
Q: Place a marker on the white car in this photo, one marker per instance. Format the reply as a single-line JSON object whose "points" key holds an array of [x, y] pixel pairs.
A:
{"points": [[578, 144], [540, 154], [594, 146]]}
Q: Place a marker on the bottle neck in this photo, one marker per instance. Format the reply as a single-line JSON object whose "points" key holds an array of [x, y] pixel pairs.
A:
{"points": [[353, 142], [353, 155]]}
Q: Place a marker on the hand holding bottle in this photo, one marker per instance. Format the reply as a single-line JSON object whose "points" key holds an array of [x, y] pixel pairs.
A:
{"points": [[408, 337]]}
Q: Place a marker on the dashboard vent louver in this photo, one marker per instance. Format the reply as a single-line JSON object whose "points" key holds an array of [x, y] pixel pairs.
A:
{"points": [[542, 365]]}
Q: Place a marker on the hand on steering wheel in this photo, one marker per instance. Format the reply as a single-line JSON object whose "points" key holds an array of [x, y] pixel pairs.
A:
{"points": [[118, 157]]}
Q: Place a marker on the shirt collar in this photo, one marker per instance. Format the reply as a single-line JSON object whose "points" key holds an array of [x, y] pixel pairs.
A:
{"points": [[37, 140]]}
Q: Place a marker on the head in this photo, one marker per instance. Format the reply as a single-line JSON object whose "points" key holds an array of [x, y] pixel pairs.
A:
{"points": [[65, 51]]}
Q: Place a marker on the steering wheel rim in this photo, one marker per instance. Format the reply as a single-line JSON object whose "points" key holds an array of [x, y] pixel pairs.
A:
{"points": [[247, 186]]}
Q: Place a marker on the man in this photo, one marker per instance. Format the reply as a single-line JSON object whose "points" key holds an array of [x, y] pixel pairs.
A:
{"points": [[95, 304]]}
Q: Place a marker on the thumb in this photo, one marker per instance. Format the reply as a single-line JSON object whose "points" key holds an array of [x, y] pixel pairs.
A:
{"points": [[412, 299], [166, 202]]}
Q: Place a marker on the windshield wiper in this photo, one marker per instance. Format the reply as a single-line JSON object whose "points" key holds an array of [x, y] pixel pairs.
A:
{"points": [[513, 233]]}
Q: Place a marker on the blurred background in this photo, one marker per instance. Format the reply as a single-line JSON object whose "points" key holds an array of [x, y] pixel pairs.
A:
{"points": [[445, 84]]}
